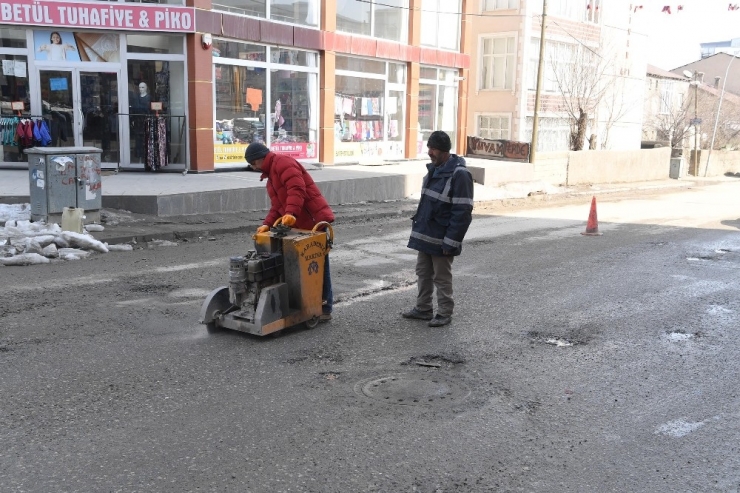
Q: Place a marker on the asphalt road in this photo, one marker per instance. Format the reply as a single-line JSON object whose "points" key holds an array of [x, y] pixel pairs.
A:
{"points": [[573, 363]]}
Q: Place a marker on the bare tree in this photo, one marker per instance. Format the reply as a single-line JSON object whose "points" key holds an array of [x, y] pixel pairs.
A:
{"points": [[672, 122], [579, 73], [616, 103]]}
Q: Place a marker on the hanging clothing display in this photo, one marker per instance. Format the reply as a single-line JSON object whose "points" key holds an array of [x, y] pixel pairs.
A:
{"points": [[155, 142]]}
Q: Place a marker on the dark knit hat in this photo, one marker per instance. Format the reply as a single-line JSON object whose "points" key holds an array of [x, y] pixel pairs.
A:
{"points": [[439, 140], [255, 151]]}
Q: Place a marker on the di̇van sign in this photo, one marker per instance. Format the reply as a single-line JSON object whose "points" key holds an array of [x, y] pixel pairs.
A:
{"points": [[98, 15], [498, 149]]}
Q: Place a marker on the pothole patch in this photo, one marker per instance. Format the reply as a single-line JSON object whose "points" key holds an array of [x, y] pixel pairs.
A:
{"points": [[681, 336], [434, 360], [413, 390], [554, 340]]}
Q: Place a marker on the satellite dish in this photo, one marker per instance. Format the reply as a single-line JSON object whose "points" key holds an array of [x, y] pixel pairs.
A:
{"points": [[688, 73]]}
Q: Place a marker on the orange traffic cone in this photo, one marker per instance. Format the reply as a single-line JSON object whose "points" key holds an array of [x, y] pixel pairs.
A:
{"points": [[592, 228]]}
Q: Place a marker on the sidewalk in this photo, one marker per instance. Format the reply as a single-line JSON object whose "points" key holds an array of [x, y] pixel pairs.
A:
{"points": [[172, 206]]}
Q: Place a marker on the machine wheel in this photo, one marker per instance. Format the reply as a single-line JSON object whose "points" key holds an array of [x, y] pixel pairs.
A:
{"points": [[215, 303], [311, 323]]}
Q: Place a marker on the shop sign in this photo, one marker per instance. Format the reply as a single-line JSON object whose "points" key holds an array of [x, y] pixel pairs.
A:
{"points": [[357, 150], [296, 150], [234, 153], [229, 153], [95, 15], [498, 149]]}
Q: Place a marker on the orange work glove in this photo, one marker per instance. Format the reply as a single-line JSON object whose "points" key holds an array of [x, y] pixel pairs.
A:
{"points": [[263, 229], [288, 220]]}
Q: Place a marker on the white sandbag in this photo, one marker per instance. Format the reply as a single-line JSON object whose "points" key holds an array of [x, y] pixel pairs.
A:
{"points": [[11, 223], [44, 240], [24, 259], [7, 250], [63, 252], [122, 247], [60, 242], [84, 241], [50, 251], [33, 246], [94, 227]]}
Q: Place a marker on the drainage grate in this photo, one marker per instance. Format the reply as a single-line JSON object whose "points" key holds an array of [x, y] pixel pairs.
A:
{"points": [[413, 390]]}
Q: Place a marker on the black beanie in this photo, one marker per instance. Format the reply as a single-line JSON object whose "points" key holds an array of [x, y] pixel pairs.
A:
{"points": [[255, 151], [439, 140]]}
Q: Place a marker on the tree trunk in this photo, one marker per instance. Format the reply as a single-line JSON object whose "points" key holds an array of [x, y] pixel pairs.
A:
{"points": [[578, 131]]}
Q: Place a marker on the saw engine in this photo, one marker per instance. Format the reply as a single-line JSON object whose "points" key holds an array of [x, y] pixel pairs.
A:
{"points": [[275, 286]]}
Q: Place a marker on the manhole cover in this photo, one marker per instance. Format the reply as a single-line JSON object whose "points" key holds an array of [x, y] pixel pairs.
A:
{"points": [[413, 390]]}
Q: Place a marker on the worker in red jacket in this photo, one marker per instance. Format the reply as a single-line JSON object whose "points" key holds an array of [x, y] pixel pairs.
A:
{"points": [[295, 197]]}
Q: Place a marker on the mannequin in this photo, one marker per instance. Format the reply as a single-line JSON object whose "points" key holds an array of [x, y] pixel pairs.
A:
{"points": [[140, 106]]}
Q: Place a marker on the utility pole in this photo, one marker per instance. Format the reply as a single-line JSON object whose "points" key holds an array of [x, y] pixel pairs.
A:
{"points": [[719, 109], [696, 123], [538, 90]]}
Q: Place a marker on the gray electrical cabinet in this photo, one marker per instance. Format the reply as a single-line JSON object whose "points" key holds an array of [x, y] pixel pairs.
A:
{"points": [[678, 169], [64, 177]]}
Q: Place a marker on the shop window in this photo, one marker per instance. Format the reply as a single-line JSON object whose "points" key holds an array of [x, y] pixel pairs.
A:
{"points": [[386, 19], [240, 51], [266, 95], [295, 101], [361, 111], [155, 43], [153, 81], [498, 57], [303, 12], [437, 105], [360, 65], [254, 8], [397, 73], [167, 2], [440, 24], [12, 38], [500, 5], [13, 88], [494, 127]]}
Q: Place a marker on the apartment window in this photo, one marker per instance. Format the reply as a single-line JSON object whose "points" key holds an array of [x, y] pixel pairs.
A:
{"points": [[593, 11], [440, 24], [498, 62], [500, 4], [494, 127], [302, 12], [666, 96], [386, 19], [558, 56]]}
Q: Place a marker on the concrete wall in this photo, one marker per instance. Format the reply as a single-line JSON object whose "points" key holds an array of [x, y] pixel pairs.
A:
{"points": [[720, 162]]}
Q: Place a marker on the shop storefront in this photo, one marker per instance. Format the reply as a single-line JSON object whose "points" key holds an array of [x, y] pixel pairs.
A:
{"points": [[437, 105], [92, 75], [264, 94], [369, 110]]}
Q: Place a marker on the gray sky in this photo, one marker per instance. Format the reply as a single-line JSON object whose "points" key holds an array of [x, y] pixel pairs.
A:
{"points": [[673, 40]]}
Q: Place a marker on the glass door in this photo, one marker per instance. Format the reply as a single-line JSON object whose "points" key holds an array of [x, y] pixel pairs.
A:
{"points": [[396, 119], [82, 108], [99, 114], [58, 103]]}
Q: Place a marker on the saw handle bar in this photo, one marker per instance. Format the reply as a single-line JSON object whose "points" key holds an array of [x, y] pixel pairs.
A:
{"points": [[326, 227]]}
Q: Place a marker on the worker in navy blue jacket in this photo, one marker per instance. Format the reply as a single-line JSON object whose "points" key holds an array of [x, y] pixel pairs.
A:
{"points": [[439, 226]]}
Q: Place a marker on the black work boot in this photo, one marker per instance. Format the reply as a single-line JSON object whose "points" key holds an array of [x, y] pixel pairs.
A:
{"points": [[417, 314]]}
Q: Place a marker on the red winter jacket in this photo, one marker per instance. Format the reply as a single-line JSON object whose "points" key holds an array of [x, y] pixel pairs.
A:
{"points": [[293, 191]]}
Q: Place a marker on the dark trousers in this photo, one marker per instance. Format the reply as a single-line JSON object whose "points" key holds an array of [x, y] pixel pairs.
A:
{"points": [[327, 294], [434, 273]]}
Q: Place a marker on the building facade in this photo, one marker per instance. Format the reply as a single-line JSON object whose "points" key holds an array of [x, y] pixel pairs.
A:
{"points": [[190, 85], [593, 59]]}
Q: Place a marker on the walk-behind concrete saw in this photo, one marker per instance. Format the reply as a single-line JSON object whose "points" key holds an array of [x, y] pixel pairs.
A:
{"points": [[275, 286]]}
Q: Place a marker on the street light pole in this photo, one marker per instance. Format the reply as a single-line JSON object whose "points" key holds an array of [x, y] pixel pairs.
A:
{"points": [[538, 90], [696, 123], [719, 109]]}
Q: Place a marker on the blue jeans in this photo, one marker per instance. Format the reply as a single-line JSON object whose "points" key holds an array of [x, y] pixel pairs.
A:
{"points": [[327, 294]]}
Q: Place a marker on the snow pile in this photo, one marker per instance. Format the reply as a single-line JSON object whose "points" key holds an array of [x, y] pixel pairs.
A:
{"points": [[25, 243]]}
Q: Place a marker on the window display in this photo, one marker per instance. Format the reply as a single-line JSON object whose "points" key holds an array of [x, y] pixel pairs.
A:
{"points": [[266, 95], [156, 82], [13, 88], [437, 105], [369, 109]]}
